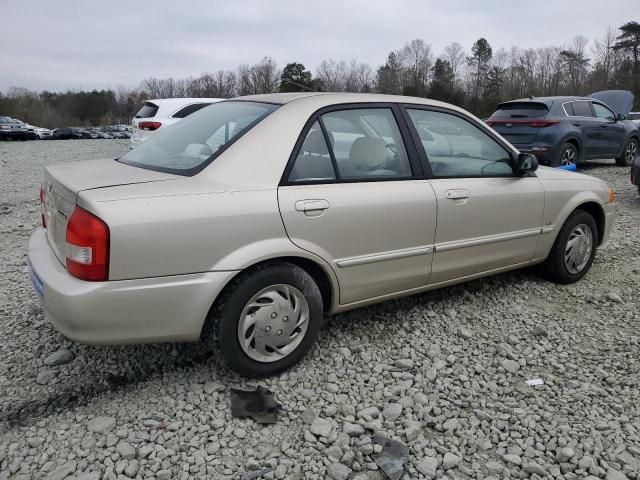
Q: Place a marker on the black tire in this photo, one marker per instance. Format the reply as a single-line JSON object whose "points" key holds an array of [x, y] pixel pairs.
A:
{"points": [[220, 332], [628, 154], [554, 267], [568, 154]]}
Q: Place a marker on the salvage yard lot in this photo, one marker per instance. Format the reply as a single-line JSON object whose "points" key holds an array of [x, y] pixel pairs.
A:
{"points": [[443, 372]]}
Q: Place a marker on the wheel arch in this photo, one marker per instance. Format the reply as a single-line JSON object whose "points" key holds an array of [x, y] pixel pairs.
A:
{"points": [[597, 212]]}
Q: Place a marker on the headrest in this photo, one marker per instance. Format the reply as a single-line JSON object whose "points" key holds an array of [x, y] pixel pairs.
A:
{"points": [[368, 152]]}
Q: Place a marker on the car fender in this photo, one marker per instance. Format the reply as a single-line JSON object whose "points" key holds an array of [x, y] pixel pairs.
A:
{"points": [[631, 133], [247, 256], [555, 217]]}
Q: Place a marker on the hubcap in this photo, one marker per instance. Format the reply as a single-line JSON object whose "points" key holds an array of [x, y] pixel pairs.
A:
{"points": [[273, 323], [630, 153], [578, 249], [569, 156]]}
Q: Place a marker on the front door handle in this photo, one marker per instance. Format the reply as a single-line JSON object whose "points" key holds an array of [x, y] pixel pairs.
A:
{"points": [[456, 194], [312, 207]]}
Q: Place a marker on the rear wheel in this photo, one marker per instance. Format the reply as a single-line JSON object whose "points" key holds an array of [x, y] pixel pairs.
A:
{"points": [[629, 153], [266, 320], [574, 249], [568, 155]]}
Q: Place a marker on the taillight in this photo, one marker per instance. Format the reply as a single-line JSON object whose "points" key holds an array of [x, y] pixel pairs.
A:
{"points": [[42, 219], [87, 246], [150, 126], [529, 123]]}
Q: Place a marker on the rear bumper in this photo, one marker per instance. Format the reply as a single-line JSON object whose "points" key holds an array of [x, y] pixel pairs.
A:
{"points": [[171, 308]]}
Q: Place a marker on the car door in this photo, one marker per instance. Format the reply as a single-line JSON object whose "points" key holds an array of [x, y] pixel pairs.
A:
{"points": [[488, 218], [589, 126], [353, 194], [612, 133]]}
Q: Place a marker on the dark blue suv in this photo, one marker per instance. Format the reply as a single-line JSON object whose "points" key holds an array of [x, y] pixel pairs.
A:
{"points": [[568, 130]]}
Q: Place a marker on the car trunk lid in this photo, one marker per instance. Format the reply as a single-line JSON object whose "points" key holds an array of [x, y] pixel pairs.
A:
{"points": [[62, 183], [520, 121]]}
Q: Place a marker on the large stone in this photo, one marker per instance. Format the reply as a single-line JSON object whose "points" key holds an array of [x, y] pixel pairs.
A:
{"points": [[615, 475], [353, 429], [338, 471], [392, 411], [450, 461], [126, 450], [565, 454], [59, 357], [428, 466], [535, 468], [62, 472], [510, 366], [321, 427], [45, 376], [101, 424]]}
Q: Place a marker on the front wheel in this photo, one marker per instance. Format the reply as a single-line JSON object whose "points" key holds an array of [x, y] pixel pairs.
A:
{"points": [[266, 320], [573, 250], [628, 154]]}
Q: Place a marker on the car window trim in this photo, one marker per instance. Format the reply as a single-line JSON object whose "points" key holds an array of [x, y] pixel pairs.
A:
{"points": [[412, 153], [332, 155], [424, 158], [206, 104]]}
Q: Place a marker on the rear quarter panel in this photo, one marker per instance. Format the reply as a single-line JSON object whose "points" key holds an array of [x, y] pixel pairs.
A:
{"points": [[187, 226]]}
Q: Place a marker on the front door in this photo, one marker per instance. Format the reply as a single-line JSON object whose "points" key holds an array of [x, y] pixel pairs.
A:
{"points": [[612, 133], [488, 219], [352, 197]]}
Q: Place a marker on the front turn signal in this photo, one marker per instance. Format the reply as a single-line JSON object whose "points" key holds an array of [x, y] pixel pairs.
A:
{"points": [[612, 196]]}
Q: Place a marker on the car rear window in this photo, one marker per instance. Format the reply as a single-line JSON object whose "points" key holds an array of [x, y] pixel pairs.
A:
{"points": [[148, 110], [520, 110], [191, 144], [189, 109]]}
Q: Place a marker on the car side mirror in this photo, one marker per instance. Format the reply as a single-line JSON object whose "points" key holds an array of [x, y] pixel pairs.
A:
{"points": [[526, 163], [620, 117]]}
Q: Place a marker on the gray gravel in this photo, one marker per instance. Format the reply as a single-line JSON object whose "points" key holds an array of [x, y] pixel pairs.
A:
{"points": [[443, 372]]}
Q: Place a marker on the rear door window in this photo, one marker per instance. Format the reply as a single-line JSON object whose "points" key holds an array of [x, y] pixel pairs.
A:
{"points": [[148, 110], [582, 109], [189, 109], [520, 110]]}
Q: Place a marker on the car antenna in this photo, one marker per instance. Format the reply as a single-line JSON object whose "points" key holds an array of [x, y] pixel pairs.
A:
{"points": [[299, 85]]}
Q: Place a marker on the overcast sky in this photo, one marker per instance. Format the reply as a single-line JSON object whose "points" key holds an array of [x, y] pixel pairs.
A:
{"points": [[86, 44]]}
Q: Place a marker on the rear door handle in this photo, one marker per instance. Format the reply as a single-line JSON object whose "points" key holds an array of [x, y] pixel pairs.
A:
{"points": [[575, 124], [456, 194], [604, 125], [312, 207]]}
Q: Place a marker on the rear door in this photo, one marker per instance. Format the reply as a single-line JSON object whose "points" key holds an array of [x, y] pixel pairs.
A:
{"points": [[353, 195], [488, 219]]}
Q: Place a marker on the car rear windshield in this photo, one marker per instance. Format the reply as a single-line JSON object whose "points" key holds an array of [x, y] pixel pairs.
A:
{"points": [[521, 110], [191, 144], [148, 110]]}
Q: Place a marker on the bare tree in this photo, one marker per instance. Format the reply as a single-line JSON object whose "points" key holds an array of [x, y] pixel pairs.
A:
{"points": [[454, 54]]}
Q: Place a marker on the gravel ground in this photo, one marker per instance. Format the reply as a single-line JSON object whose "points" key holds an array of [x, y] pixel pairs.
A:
{"points": [[443, 372]]}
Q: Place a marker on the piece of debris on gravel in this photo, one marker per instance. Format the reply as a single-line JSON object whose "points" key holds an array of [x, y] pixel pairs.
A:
{"points": [[445, 372]]}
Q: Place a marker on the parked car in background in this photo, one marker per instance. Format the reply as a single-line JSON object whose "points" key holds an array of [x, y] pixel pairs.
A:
{"points": [[568, 130], [635, 118], [160, 113], [69, 133], [43, 133], [12, 130], [29, 129], [247, 222]]}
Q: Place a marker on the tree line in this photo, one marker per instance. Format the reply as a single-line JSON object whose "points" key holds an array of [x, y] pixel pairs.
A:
{"points": [[477, 79]]}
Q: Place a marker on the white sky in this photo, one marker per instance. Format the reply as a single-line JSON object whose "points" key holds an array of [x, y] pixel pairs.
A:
{"points": [[90, 44]]}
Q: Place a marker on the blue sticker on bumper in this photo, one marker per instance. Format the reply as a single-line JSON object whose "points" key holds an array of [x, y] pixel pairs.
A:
{"points": [[38, 285]]}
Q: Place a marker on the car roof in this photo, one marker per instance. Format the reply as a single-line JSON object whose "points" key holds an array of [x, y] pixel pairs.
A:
{"points": [[323, 99], [181, 100]]}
